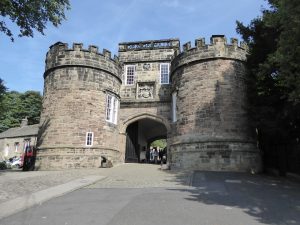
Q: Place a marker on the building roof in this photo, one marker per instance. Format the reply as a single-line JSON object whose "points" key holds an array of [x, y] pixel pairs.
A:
{"points": [[30, 130]]}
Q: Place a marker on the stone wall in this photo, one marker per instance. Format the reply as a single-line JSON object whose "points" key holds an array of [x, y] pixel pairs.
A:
{"points": [[76, 84], [146, 56], [215, 155], [146, 98], [137, 103], [212, 129]]}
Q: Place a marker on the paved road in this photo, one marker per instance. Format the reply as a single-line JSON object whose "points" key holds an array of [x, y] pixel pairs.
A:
{"points": [[135, 194]]}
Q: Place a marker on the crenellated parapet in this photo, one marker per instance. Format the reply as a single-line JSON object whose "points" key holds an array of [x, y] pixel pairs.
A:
{"points": [[218, 48], [60, 56]]}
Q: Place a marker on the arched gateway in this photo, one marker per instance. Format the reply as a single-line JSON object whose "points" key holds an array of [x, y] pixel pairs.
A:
{"points": [[96, 106], [140, 131]]}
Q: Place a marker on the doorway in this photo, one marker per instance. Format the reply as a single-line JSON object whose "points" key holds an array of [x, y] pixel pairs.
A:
{"points": [[139, 135]]}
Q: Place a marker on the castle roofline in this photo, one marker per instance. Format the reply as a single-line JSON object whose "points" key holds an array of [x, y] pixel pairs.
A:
{"points": [[149, 41], [172, 43]]}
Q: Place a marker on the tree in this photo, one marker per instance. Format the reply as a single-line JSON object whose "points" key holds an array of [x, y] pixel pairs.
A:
{"points": [[17, 106], [287, 55], [10, 115], [31, 15], [2, 92], [2, 89], [31, 103], [274, 70], [161, 143]]}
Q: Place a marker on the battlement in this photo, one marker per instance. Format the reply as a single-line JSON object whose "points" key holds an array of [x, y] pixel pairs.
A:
{"points": [[61, 47], [215, 40], [60, 55], [218, 48], [149, 45]]}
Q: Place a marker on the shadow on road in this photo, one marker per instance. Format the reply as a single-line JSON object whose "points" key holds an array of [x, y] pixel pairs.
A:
{"points": [[269, 200]]}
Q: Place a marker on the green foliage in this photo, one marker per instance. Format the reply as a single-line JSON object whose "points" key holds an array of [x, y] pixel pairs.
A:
{"points": [[287, 55], [31, 15], [2, 92], [2, 88], [17, 106], [274, 69], [31, 103], [3, 166], [10, 114], [162, 143]]}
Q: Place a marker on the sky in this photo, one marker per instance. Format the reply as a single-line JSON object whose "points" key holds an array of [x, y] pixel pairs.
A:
{"points": [[106, 23]]}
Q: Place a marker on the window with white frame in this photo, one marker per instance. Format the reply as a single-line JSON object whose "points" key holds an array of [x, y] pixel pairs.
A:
{"points": [[174, 111], [112, 105], [17, 144], [89, 138], [129, 74], [164, 73]]}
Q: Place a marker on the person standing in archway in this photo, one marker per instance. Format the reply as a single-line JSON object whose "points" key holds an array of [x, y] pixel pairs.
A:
{"points": [[155, 155], [147, 155], [160, 154], [151, 154]]}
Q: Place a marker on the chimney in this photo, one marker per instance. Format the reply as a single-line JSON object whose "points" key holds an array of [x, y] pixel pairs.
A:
{"points": [[24, 122]]}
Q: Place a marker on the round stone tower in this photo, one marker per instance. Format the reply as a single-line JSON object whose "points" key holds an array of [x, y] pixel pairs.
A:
{"points": [[76, 129], [211, 131]]}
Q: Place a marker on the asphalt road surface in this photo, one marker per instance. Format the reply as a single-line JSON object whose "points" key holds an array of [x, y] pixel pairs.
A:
{"points": [[128, 197]]}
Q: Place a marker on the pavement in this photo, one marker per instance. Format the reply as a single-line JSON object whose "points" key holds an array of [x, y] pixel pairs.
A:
{"points": [[22, 190], [37, 198], [135, 194]]}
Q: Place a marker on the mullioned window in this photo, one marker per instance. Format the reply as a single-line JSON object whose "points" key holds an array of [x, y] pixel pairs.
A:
{"points": [[112, 105], [164, 73]]}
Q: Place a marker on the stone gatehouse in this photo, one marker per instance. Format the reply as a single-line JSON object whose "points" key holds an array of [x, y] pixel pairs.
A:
{"points": [[96, 105]]}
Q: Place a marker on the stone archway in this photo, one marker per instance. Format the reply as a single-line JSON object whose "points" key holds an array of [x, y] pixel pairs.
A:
{"points": [[139, 131], [140, 116]]}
